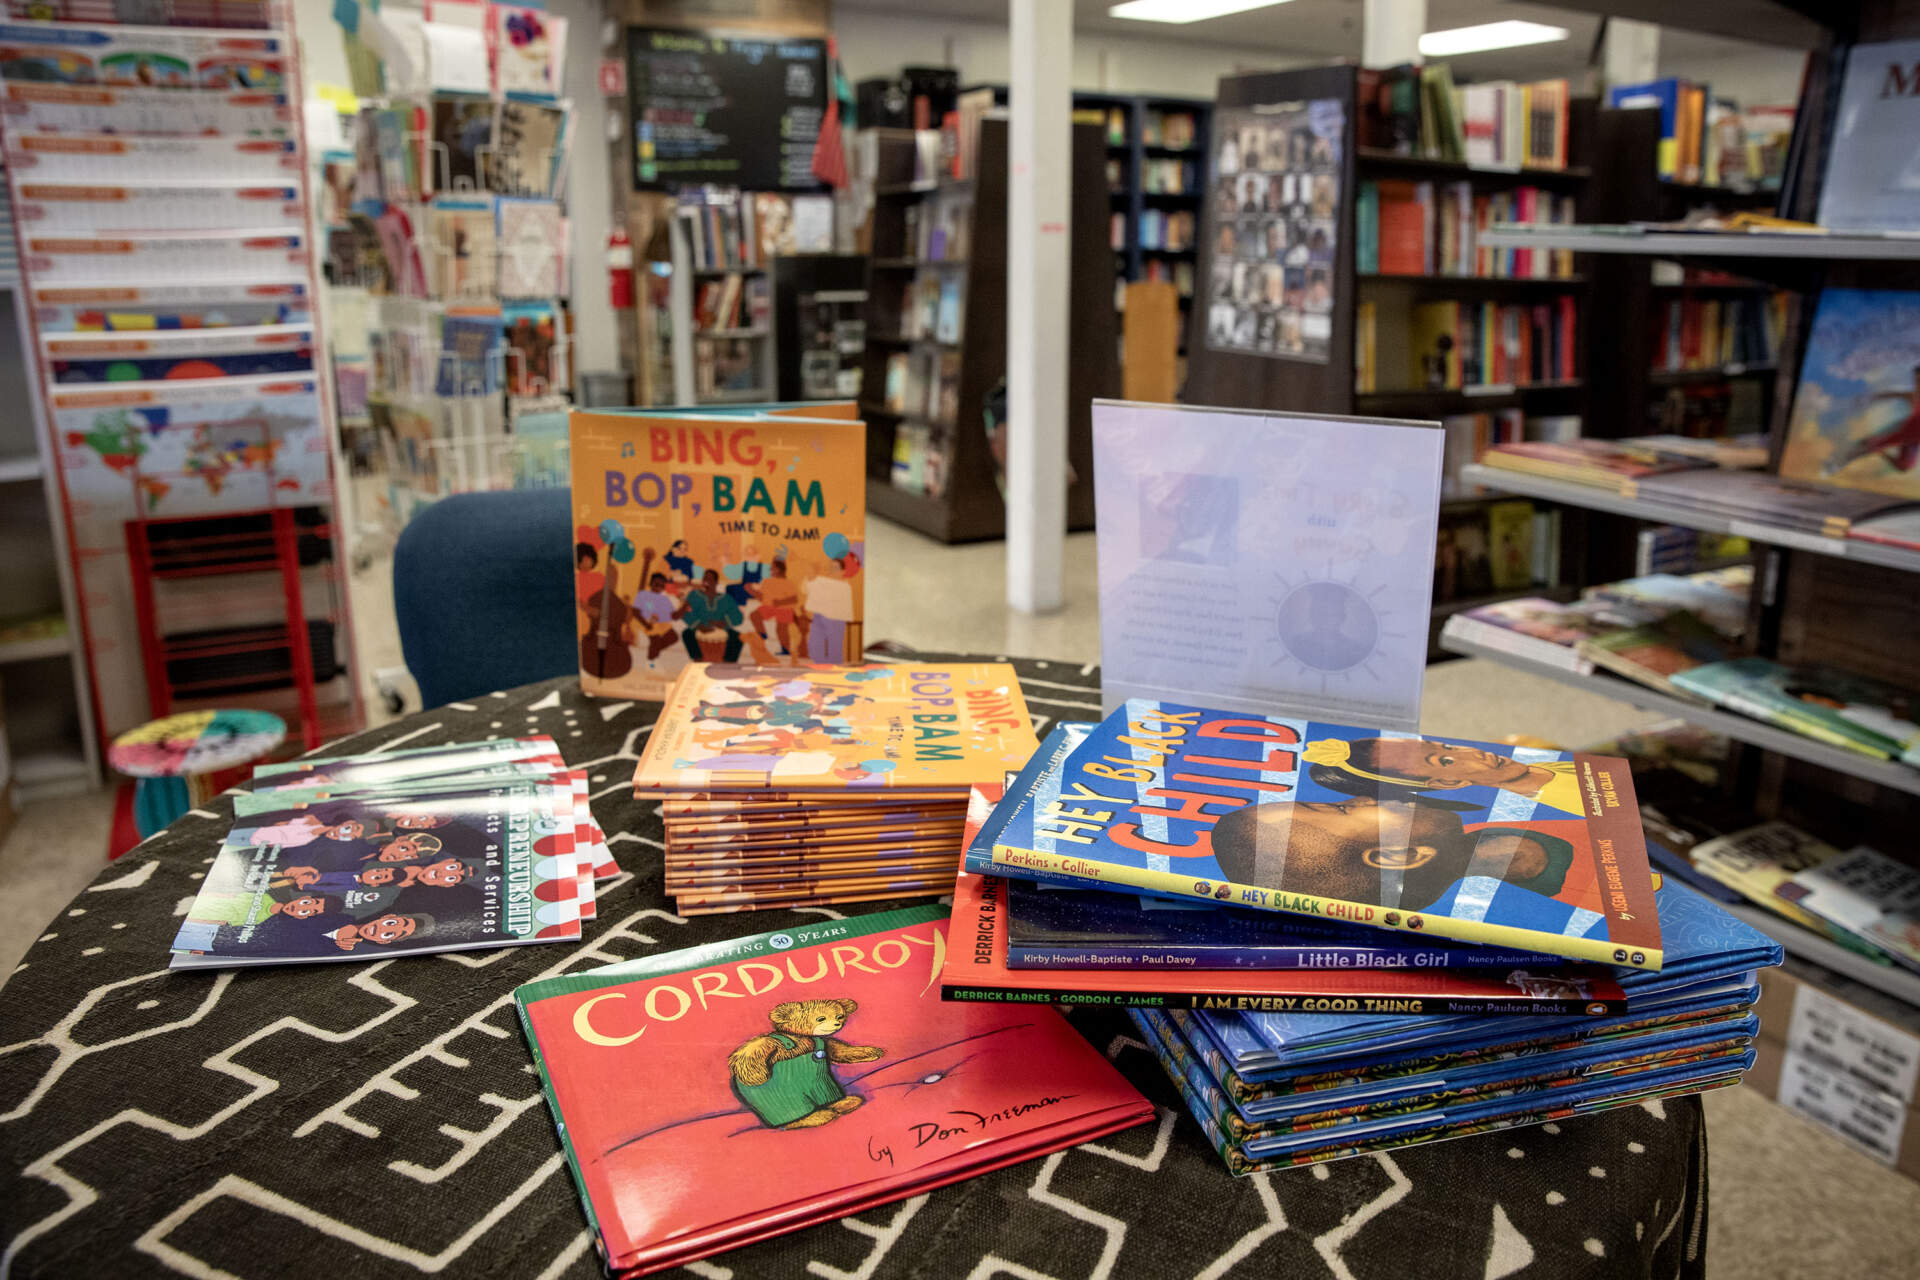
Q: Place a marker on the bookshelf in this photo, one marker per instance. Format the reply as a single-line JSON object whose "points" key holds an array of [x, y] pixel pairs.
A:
{"points": [[1885, 773], [936, 336], [1393, 294]]}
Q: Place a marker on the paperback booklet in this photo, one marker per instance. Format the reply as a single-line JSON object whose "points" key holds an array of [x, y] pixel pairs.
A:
{"points": [[1653, 654], [1512, 846], [1834, 707], [727, 727], [718, 1096], [713, 537], [362, 877], [1867, 894]]}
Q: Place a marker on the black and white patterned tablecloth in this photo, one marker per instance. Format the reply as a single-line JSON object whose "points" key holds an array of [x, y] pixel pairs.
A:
{"points": [[383, 1119]]}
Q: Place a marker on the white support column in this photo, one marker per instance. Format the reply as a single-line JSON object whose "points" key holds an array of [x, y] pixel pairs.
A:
{"points": [[1039, 250], [1630, 52], [1390, 32]]}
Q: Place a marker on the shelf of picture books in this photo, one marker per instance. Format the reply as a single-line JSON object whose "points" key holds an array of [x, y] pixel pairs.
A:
{"points": [[193, 296], [1415, 117], [1710, 143], [1407, 346], [1842, 485], [1421, 229]]}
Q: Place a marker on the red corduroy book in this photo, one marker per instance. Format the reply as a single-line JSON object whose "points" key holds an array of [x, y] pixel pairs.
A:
{"points": [[718, 1096]]}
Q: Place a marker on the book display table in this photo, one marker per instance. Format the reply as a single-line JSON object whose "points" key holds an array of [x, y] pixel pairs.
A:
{"points": [[383, 1119]]}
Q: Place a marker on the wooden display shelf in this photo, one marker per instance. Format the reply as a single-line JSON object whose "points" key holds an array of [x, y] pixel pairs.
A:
{"points": [[1421, 400], [1421, 166], [1758, 733], [1475, 284], [1680, 377]]}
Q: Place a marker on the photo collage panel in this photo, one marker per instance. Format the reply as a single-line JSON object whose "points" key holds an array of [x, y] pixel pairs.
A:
{"points": [[1274, 221]]}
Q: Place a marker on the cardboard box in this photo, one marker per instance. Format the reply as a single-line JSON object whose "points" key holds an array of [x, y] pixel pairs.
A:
{"points": [[1843, 1056]]}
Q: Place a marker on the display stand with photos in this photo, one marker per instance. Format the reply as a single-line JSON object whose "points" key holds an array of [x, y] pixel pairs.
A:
{"points": [[936, 344], [1311, 304], [1832, 513]]}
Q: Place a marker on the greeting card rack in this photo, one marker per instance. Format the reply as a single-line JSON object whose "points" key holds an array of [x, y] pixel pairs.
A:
{"points": [[165, 245]]}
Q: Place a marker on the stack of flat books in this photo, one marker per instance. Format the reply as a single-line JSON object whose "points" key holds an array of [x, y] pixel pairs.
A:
{"points": [[450, 848], [1339, 940], [804, 786]]}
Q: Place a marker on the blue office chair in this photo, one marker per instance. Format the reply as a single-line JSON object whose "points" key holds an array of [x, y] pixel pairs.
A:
{"points": [[483, 593]]}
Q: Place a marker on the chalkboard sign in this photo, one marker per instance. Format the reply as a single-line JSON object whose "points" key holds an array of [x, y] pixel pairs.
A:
{"points": [[739, 110]]}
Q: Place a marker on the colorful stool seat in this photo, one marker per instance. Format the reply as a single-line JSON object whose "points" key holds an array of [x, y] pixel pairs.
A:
{"points": [[171, 758]]}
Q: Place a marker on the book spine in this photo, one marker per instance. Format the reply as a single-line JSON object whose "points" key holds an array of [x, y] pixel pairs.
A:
{"points": [[1136, 956], [1065, 992], [1025, 863]]}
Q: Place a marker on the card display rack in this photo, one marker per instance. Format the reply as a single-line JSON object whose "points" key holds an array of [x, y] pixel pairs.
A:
{"points": [[173, 320]]}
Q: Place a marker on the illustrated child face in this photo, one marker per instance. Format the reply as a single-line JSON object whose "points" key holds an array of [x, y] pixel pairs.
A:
{"points": [[374, 877], [387, 929], [658, 582], [1342, 850], [1437, 764], [443, 874], [418, 821], [304, 907], [710, 581], [351, 829], [584, 556], [403, 849]]}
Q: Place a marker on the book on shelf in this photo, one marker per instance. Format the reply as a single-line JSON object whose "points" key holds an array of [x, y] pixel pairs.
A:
{"points": [[1610, 464], [1839, 708], [1867, 186], [1469, 436], [1695, 334], [1867, 894], [1717, 597], [1505, 125], [1440, 134], [1462, 555], [1456, 346], [1856, 410], [1900, 528], [1746, 451], [1756, 861], [1171, 129], [1769, 499], [1510, 543], [1674, 549], [1074, 818], [1651, 654], [1389, 104], [668, 1160], [1543, 631]]}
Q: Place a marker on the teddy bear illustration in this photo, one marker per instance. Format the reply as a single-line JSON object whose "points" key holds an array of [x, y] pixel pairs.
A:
{"points": [[786, 1076]]}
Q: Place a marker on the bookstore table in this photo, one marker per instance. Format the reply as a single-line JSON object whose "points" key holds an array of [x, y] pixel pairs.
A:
{"points": [[383, 1118]]}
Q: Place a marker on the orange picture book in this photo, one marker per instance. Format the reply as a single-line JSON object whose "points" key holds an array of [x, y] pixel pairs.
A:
{"points": [[716, 536], [843, 729]]}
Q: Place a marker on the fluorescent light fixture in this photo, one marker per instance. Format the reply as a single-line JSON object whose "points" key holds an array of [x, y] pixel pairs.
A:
{"points": [[1184, 11], [1490, 35]]}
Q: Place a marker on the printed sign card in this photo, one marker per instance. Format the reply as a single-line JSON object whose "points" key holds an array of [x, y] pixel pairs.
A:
{"points": [[1266, 562]]}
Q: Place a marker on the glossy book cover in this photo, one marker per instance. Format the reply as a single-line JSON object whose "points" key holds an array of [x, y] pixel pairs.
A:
{"points": [[716, 537], [364, 877], [1509, 846], [725, 1094], [837, 729]]}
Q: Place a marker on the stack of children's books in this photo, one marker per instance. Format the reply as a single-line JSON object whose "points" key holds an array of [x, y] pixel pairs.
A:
{"points": [[448, 848], [1340, 940], [790, 786]]}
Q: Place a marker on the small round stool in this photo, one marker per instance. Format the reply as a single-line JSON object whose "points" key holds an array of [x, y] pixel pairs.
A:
{"points": [[171, 759]]}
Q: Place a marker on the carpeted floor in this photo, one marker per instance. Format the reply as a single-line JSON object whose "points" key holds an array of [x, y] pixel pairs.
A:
{"points": [[1788, 1200]]}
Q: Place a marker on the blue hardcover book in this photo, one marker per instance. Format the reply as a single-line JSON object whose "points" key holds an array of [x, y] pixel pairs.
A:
{"points": [[1053, 927], [1593, 1057], [1493, 845], [1708, 951]]}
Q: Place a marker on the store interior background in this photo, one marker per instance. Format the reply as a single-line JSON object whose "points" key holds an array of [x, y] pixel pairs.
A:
{"points": [[1788, 1200]]}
